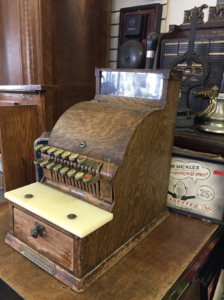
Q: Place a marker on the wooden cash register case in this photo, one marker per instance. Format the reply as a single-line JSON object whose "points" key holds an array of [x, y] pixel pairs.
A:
{"points": [[128, 145]]}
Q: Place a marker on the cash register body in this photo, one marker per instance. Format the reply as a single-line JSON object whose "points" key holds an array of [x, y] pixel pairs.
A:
{"points": [[128, 143]]}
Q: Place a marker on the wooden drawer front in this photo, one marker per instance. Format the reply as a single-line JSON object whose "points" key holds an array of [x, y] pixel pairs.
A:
{"points": [[55, 244]]}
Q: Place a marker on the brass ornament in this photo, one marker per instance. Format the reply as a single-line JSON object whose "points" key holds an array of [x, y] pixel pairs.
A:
{"points": [[210, 94]]}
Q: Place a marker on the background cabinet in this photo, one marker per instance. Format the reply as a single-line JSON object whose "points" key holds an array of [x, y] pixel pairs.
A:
{"points": [[53, 42]]}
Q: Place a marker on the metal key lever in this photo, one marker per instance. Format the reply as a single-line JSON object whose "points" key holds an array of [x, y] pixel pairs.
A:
{"points": [[38, 230]]}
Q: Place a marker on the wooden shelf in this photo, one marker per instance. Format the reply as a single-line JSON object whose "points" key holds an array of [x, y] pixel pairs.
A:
{"points": [[200, 141]]}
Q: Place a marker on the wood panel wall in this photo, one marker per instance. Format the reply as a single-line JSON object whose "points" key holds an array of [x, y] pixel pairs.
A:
{"points": [[46, 42], [55, 42]]}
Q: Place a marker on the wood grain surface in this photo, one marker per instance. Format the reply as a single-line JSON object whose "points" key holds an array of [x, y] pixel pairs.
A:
{"points": [[200, 141], [19, 130], [139, 184], [39, 51], [146, 272], [136, 139], [80, 284], [24, 116], [106, 128], [50, 42], [80, 38], [55, 245], [10, 55]]}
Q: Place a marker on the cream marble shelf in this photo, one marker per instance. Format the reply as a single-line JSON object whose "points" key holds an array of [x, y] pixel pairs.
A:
{"points": [[54, 206]]}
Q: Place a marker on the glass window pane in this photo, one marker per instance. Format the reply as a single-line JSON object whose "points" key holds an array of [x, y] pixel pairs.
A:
{"points": [[132, 84]]}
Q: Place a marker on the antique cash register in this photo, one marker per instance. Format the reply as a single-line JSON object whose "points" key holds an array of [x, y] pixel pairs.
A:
{"points": [[105, 177]]}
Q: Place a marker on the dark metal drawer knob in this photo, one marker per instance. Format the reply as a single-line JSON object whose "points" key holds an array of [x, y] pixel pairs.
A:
{"points": [[37, 231], [34, 233]]}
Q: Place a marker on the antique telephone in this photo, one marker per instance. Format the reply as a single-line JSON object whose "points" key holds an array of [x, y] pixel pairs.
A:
{"points": [[137, 45], [132, 54]]}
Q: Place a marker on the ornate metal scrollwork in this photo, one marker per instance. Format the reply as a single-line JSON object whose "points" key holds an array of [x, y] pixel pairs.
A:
{"points": [[210, 94], [191, 76], [200, 15], [216, 13], [196, 70]]}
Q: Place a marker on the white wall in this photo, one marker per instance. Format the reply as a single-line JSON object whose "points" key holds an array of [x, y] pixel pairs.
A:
{"points": [[173, 13]]}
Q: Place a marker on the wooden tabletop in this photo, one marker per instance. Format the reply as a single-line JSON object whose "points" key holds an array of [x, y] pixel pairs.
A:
{"points": [[147, 272]]}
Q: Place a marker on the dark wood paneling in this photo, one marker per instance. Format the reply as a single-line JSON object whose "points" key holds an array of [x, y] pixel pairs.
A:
{"points": [[18, 131], [55, 42], [23, 118], [200, 141], [10, 50], [50, 42], [80, 39], [31, 44]]}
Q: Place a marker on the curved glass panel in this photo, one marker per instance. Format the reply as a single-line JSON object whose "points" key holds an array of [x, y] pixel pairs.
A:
{"points": [[132, 84]]}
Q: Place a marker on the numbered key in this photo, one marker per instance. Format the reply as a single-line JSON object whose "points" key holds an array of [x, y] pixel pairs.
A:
{"points": [[57, 168], [66, 155], [44, 163], [38, 147], [38, 161], [50, 166], [87, 178], [64, 170], [79, 175], [73, 157], [71, 173], [44, 149], [51, 150], [58, 153], [82, 159]]}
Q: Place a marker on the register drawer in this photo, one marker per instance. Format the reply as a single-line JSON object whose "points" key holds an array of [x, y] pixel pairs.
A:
{"points": [[55, 244]]}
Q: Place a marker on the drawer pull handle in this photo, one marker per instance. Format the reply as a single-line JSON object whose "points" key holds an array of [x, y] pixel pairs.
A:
{"points": [[37, 231], [34, 233]]}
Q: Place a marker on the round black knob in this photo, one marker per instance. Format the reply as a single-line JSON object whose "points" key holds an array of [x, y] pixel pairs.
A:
{"points": [[34, 233]]}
